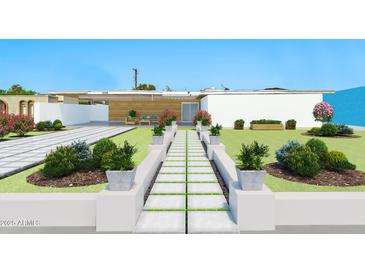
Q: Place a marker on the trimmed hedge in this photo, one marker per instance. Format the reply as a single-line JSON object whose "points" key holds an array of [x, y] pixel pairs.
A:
{"points": [[291, 124], [239, 124], [264, 122]]}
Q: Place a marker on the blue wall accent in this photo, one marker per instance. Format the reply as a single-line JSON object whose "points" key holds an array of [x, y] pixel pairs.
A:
{"points": [[349, 106]]}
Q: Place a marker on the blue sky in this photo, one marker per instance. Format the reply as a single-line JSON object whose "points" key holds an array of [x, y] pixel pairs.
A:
{"points": [[44, 65]]}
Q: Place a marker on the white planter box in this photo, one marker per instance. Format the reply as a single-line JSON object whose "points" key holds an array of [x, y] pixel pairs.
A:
{"points": [[214, 140], [120, 180], [157, 140], [168, 128], [251, 179], [199, 123], [204, 128], [173, 123]]}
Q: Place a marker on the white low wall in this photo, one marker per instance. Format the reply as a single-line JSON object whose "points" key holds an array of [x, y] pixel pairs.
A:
{"points": [[225, 109], [263, 210], [48, 209], [320, 208], [70, 114]]}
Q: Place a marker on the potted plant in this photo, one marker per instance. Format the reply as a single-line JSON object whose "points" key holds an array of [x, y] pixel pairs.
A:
{"points": [[120, 168], [168, 118], [250, 171], [199, 116], [157, 138], [132, 114], [215, 132], [205, 124]]}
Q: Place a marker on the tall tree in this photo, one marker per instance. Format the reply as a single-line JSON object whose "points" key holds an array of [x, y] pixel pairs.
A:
{"points": [[18, 90], [145, 87]]}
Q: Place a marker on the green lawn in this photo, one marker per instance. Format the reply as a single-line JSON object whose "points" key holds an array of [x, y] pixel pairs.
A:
{"points": [[13, 136], [353, 148], [140, 137]]}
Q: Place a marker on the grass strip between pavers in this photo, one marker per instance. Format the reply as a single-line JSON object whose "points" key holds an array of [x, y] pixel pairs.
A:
{"points": [[168, 193], [203, 182], [165, 209], [172, 172], [170, 182], [172, 166], [184, 209], [201, 173], [205, 193]]}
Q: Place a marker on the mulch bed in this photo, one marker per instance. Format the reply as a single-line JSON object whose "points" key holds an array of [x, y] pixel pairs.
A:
{"points": [[78, 178], [324, 178], [336, 136]]}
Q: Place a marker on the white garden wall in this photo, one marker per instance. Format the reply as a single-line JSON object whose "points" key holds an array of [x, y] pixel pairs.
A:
{"points": [[70, 114], [225, 109]]}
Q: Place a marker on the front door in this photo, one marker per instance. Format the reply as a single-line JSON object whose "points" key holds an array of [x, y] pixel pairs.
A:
{"points": [[188, 111]]}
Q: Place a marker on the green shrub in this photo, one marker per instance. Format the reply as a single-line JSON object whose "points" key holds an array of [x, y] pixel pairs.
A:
{"points": [[303, 161], [265, 121], [40, 126], [320, 149], [84, 156], [57, 126], [101, 147], [215, 130], [250, 156], [111, 160], [60, 163], [283, 152], [291, 124], [239, 124], [120, 158], [48, 125], [132, 113], [316, 131], [328, 130], [344, 130], [338, 161], [158, 130]]}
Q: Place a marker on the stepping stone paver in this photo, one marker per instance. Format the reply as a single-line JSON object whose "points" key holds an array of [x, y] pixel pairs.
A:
{"points": [[207, 202], [211, 222], [165, 202], [198, 169], [171, 178], [161, 222], [202, 178], [169, 188], [204, 188]]}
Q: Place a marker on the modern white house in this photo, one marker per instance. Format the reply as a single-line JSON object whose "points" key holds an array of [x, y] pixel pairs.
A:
{"points": [[224, 106]]}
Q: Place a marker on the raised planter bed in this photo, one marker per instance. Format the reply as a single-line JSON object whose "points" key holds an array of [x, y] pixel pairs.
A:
{"points": [[267, 126]]}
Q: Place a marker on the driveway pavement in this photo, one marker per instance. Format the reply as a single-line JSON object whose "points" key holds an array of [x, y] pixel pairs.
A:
{"points": [[20, 154]]}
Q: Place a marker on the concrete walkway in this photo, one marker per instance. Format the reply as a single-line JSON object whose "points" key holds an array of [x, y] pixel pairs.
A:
{"points": [[20, 154], [186, 197]]}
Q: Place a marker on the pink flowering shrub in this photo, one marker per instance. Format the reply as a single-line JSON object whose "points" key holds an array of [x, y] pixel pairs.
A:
{"points": [[22, 124], [6, 124], [323, 112], [202, 116], [167, 117]]}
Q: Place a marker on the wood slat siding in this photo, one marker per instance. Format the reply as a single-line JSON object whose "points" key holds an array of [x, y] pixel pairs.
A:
{"points": [[118, 109]]}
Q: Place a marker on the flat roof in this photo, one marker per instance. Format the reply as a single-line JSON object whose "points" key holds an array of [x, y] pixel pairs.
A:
{"points": [[198, 94]]}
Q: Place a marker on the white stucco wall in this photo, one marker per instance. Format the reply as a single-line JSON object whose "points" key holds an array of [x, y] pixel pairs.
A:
{"points": [[70, 114], [225, 109]]}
